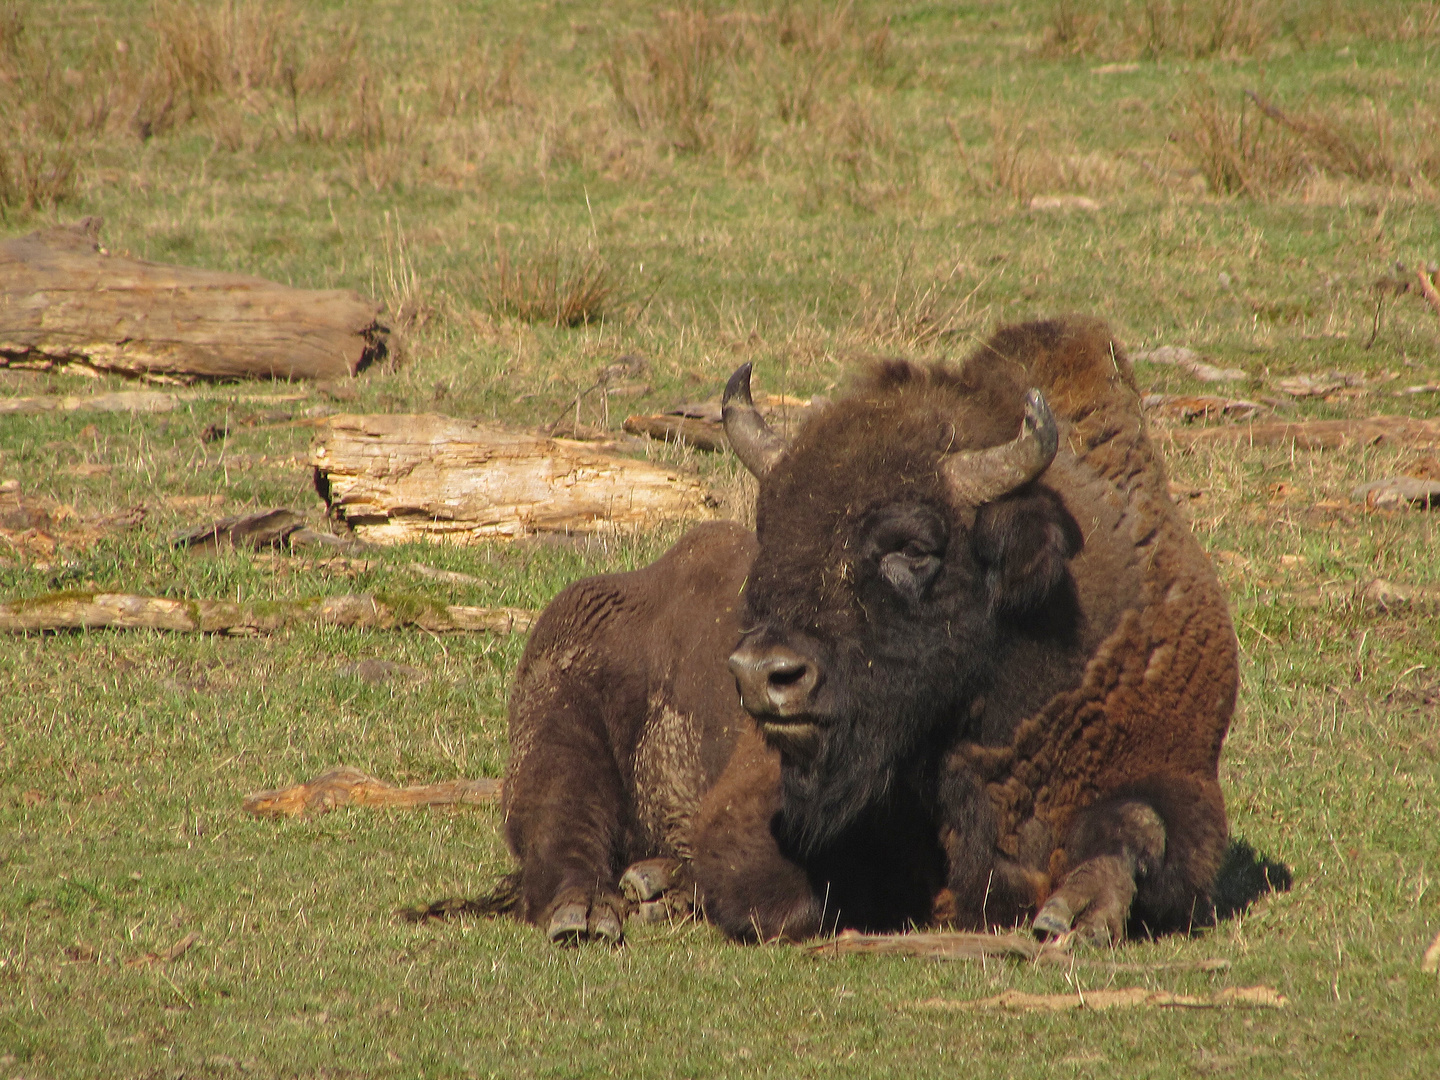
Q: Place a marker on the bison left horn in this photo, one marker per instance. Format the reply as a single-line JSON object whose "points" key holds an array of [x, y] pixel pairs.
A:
{"points": [[978, 476], [754, 442]]}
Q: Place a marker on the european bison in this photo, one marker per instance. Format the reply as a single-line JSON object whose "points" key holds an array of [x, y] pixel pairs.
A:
{"points": [[971, 668]]}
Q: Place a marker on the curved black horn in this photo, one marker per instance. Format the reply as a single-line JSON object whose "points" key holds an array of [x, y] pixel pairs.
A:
{"points": [[978, 476], [754, 443]]}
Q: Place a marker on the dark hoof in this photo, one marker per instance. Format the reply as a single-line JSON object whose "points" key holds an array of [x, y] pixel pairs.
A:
{"points": [[1054, 919], [649, 879], [575, 921]]}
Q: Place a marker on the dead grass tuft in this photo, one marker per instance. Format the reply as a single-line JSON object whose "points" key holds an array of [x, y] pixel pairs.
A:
{"points": [[1256, 148], [552, 287]]}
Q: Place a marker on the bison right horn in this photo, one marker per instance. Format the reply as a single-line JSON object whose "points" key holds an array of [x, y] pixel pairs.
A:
{"points": [[754, 442], [978, 476]]}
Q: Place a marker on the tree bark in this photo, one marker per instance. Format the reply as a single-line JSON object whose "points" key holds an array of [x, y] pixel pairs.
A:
{"points": [[64, 300], [396, 479]]}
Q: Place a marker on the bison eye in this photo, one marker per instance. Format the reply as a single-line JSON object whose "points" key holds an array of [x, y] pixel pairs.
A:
{"points": [[910, 571]]}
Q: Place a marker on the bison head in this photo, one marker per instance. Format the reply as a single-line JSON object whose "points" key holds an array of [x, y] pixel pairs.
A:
{"points": [[901, 536]]}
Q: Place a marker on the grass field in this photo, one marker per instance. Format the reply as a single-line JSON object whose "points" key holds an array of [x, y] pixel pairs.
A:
{"points": [[537, 190]]}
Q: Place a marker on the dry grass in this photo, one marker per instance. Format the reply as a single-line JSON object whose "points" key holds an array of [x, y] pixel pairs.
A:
{"points": [[1197, 29], [553, 286], [1250, 145]]}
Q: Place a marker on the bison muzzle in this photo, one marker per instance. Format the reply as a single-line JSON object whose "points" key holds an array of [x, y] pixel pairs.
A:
{"points": [[970, 669]]}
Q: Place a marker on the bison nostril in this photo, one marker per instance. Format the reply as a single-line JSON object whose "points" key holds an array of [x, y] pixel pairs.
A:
{"points": [[788, 676], [774, 680]]}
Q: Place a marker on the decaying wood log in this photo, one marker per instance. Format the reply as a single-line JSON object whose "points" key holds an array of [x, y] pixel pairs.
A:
{"points": [[1398, 493], [1188, 407], [1130, 997], [1430, 963], [1376, 597], [64, 300], [701, 434], [139, 401], [1316, 434], [943, 945], [124, 611], [395, 479], [351, 787]]}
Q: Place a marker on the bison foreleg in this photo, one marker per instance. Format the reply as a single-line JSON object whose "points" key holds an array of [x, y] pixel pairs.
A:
{"points": [[1142, 858]]}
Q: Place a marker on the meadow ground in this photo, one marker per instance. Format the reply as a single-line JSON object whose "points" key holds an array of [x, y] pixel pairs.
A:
{"points": [[537, 190]]}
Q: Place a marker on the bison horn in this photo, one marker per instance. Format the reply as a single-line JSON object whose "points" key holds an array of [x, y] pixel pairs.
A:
{"points": [[978, 476], [754, 443]]}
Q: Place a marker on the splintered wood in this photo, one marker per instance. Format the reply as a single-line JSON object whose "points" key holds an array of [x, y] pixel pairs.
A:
{"points": [[124, 611], [64, 300], [351, 787], [396, 479]]}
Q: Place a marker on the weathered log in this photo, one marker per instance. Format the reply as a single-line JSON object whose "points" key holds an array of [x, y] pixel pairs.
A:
{"points": [[1188, 407], [944, 945], [64, 300], [1316, 434], [1130, 997], [124, 611], [701, 434], [1398, 493], [146, 401], [351, 787], [395, 479]]}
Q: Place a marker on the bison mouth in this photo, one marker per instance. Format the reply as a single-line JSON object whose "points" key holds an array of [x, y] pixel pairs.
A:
{"points": [[793, 737]]}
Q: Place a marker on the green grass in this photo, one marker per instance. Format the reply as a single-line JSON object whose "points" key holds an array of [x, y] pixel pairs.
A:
{"points": [[838, 182]]}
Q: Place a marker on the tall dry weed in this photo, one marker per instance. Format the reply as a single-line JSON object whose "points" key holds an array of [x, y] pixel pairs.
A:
{"points": [[554, 286], [1250, 145]]}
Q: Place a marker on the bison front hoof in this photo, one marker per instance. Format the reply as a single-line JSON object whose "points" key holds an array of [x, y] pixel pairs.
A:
{"points": [[1094, 903], [659, 891], [576, 920], [1054, 920]]}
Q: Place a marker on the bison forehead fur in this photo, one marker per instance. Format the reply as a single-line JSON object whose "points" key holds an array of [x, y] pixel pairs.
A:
{"points": [[892, 705]]}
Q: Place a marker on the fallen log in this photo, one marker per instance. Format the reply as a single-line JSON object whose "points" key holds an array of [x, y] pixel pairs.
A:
{"points": [[139, 401], [351, 787], [124, 611], [395, 479], [1130, 997], [65, 300], [1188, 407], [701, 434], [1399, 493], [1315, 434], [940, 945]]}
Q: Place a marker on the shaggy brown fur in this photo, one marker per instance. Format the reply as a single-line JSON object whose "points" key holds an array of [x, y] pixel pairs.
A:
{"points": [[1030, 707]]}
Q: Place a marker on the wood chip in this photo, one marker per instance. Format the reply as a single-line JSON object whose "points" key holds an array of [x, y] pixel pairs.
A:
{"points": [[345, 786], [1132, 997]]}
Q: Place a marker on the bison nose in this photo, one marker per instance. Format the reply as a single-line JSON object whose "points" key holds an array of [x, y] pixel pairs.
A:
{"points": [[774, 680]]}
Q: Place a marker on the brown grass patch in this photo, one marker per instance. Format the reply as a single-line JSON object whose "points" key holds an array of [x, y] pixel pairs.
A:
{"points": [[1251, 145], [551, 287]]}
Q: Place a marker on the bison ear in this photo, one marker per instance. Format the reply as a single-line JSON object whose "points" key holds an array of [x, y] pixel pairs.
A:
{"points": [[1024, 541]]}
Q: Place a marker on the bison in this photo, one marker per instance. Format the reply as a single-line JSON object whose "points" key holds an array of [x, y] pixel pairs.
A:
{"points": [[971, 668]]}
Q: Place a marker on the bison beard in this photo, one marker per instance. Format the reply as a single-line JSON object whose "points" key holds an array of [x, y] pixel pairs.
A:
{"points": [[915, 694]]}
